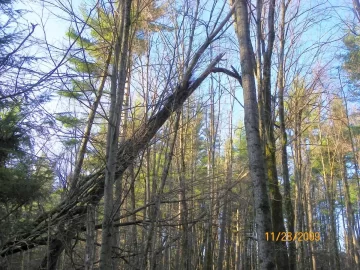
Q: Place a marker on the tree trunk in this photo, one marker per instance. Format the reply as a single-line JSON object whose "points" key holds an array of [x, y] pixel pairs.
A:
{"points": [[353, 247], [289, 211], [133, 262], [210, 125], [118, 80], [328, 178], [49, 262], [91, 188], [156, 210], [254, 146], [118, 182], [270, 148], [185, 247], [86, 137], [353, 148], [90, 237], [298, 177], [309, 215], [56, 245]]}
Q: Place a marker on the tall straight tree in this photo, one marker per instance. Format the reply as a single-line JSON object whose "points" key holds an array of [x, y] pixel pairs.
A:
{"points": [[267, 122], [354, 242], [289, 211], [118, 80], [254, 144]]}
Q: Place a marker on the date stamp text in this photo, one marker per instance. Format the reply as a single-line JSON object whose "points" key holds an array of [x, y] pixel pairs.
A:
{"points": [[289, 236]]}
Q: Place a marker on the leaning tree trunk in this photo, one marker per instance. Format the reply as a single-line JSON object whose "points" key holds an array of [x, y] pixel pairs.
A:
{"points": [[91, 188], [87, 131], [254, 146], [55, 249]]}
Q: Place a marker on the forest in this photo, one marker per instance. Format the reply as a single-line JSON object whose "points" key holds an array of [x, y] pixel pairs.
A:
{"points": [[179, 134]]}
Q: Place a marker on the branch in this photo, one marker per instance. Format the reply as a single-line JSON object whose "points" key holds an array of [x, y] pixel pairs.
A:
{"points": [[72, 209], [3, 62], [233, 73]]}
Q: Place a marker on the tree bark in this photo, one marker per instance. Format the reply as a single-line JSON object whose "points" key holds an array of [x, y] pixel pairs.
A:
{"points": [[356, 5], [183, 206], [328, 178], [226, 214], [278, 226], [350, 219], [118, 81], [254, 146], [289, 211], [156, 210], [90, 238], [309, 211], [210, 124], [118, 182], [49, 262]]}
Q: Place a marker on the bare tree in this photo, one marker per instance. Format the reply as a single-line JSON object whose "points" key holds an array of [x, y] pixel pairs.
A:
{"points": [[254, 144]]}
